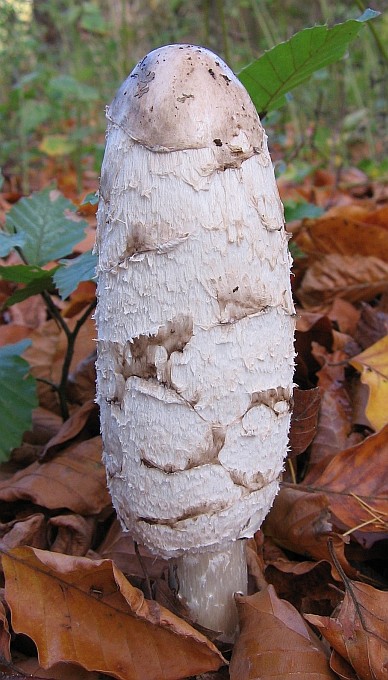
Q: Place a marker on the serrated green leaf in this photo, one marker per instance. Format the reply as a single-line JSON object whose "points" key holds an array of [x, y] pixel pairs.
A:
{"points": [[49, 225], [35, 278], [10, 241], [82, 268], [291, 63], [17, 396]]}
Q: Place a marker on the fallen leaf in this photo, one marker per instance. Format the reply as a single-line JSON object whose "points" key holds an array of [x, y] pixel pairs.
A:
{"points": [[371, 327], [75, 479], [308, 586], [304, 419], [373, 366], [82, 611], [352, 277], [359, 631], [341, 234], [301, 522], [29, 531], [275, 641], [355, 482], [345, 315], [86, 417], [119, 546], [74, 534], [335, 414], [342, 667]]}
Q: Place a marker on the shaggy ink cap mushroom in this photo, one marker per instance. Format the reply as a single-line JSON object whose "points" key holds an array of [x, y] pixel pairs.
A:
{"points": [[185, 97]]}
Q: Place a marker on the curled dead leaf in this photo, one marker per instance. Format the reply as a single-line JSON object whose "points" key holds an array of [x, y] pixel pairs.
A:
{"points": [[304, 419], [359, 631], [84, 611], [274, 641], [74, 479], [352, 277]]}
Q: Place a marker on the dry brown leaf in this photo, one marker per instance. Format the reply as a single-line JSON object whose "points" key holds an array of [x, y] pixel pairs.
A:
{"points": [[335, 414], [61, 671], [74, 479], [359, 632], [304, 419], [85, 417], [275, 642], [74, 534], [82, 611], [345, 315], [118, 545], [356, 484], [306, 585], [373, 366], [341, 234], [372, 326], [301, 522], [352, 277], [29, 531]]}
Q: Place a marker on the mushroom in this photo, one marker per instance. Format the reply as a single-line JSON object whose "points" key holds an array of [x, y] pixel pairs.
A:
{"points": [[195, 322]]}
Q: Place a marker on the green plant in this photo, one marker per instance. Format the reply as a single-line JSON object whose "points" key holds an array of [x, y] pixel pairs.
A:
{"points": [[43, 229]]}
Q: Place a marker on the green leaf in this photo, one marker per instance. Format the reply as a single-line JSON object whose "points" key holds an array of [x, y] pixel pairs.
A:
{"points": [[17, 396], [10, 241], [48, 224], [289, 64], [35, 278], [81, 268], [91, 199], [300, 210]]}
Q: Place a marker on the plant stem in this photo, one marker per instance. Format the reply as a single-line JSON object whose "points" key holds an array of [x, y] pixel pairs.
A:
{"points": [[71, 338]]}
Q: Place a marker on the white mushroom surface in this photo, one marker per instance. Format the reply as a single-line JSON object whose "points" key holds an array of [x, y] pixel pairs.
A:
{"points": [[195, 315]]}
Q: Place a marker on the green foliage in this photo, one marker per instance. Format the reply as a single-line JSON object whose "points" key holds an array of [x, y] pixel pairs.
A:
{"points": [[81, 268], [36, 281], [271, 77], [298, 210], [48, 224], [17, 396]]}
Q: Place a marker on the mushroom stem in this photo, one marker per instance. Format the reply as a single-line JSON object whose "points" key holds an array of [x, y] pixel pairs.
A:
{"points": [[207, 582]]}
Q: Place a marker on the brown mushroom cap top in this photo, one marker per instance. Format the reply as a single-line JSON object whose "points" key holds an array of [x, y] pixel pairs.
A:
{"points": [[185, 97]]}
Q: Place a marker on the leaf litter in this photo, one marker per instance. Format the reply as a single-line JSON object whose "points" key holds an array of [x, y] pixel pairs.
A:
{"points": [[97, 605]]}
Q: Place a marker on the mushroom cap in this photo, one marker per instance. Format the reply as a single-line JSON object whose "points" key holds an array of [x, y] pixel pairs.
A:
{"points": [[185, 97]]}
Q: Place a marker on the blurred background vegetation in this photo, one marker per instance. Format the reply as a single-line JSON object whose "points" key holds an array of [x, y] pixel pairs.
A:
{"points": [[62, 61]]}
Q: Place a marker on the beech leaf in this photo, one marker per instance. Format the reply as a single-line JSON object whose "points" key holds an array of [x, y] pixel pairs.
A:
{"points": [[373, 366], [275, 641], [17, 396], [48, 223], [304, 419], [84, 611], [355, 483], [74, 479], [359, 632], [291, 63]]}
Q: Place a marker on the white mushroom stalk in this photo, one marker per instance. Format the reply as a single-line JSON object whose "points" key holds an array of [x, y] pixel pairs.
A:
{"points": [[195, 321]]}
